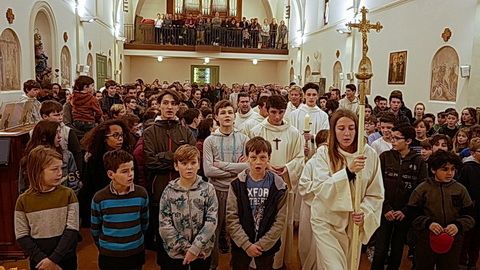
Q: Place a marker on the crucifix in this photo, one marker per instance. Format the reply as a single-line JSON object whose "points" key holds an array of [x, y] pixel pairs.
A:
{"points": [[364, 75], [277, 140]]}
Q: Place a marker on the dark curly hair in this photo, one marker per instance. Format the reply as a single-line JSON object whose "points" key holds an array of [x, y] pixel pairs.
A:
{"points": [[94, 140]]}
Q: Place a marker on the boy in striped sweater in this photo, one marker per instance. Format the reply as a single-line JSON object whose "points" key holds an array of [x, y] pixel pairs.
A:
{"points": [[120, 216]]}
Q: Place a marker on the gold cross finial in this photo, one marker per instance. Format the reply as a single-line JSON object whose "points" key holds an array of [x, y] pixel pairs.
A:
{"points": [[364, 27]]}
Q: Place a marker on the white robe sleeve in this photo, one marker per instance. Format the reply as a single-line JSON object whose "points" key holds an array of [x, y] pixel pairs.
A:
{"points": [[295, 165], [372, 202]]}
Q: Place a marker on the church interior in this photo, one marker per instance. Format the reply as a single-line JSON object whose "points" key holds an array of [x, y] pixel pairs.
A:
{"points": [[427, 49]]}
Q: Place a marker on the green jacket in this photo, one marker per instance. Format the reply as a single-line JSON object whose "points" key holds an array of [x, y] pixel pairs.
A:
{"points": [[443, 203]]}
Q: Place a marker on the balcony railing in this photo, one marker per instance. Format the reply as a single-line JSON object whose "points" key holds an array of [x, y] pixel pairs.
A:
{"points": [[274, 42]]}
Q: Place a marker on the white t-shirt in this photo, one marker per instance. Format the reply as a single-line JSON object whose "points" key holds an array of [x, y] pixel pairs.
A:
{"points": [[381, 146]]}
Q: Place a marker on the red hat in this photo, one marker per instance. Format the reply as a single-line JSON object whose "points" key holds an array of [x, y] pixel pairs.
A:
{"points": [[441, 243]]}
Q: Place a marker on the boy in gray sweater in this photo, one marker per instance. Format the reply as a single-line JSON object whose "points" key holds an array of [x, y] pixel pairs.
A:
{"points": [[223, 159]]}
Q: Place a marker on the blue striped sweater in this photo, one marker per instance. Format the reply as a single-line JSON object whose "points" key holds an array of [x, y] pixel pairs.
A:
{"points": [[118, 222]]}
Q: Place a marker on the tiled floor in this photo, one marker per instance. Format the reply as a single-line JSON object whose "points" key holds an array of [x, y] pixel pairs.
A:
{"points": [[87, 258]]}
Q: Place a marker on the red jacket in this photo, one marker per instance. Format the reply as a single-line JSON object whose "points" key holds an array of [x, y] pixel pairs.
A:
{"points": [[85, 107]]}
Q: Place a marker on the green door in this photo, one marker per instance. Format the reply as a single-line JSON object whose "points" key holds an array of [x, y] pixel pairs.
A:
{"points": [[205, 75], [101, 70]]}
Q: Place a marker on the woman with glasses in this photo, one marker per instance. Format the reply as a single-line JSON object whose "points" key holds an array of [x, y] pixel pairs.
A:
{"points": [[109, 135]]}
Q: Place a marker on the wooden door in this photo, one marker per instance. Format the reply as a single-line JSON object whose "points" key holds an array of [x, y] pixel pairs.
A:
{"points": [[101, 70]]}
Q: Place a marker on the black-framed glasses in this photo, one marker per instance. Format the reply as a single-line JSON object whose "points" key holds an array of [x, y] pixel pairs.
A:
{"points": [[117, 136]]}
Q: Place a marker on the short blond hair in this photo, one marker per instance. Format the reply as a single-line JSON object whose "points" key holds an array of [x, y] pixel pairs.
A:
{"points": [[186, 152], [474, 144], [37, 161]]}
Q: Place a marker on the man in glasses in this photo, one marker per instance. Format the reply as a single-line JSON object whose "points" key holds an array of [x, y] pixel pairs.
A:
{"points": [[402, 170]]}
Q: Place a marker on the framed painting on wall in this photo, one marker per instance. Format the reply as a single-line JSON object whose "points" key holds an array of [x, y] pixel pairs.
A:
{"points": [[397, 67]]}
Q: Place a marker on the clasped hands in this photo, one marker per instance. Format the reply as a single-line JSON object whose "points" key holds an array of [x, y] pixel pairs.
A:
{"points": [[437, 229]]}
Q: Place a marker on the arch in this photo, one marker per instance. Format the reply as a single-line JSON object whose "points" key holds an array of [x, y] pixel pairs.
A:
{"points": [[109, 69], [90, 65], [337, 70], [308, 74], [46, 10], [10, 60], [66, 67], [444, 81], [292, 74]]}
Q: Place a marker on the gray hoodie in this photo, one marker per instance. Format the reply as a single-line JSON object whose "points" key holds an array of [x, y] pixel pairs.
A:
{"points": [[224, 151]]}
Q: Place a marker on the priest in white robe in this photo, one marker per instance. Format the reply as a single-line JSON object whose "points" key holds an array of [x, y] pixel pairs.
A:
{"points": [[295, 97], [287, 161], [310, 117], [307, 251], [337, 167], [244, 111]]}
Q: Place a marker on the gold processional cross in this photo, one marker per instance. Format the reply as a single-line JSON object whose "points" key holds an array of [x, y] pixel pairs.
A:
{"points": [[365, 67], [364, 74]]}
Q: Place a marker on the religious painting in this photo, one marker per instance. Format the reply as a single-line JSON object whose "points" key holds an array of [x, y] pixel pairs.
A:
{"points": [[322, 85], [337, 71], [9, 61], [397, 67], [66, 64], [444, 81], [308, 74]]}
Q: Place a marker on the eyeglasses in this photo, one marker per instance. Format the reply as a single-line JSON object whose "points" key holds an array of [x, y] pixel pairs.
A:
{"points": [[117, 136], [398, 138]]}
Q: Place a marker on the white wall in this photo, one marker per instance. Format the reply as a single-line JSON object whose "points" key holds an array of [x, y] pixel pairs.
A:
{"points": [[231, 71], [412, 25], [64, 20]]}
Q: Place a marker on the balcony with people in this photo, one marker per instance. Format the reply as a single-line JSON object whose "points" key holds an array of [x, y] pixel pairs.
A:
{"points": [[200, 32]]}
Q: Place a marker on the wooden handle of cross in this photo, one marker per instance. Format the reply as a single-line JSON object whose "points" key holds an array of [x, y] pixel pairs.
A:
{"points": [[355, 243]]}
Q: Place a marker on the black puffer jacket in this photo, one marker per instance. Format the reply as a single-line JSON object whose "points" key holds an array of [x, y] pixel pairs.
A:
{"points": [[161, 141], [400, 177]]}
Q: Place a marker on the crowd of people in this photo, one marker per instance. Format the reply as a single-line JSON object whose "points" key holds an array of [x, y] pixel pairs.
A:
{"points": [[195, 171], [198, 30]]}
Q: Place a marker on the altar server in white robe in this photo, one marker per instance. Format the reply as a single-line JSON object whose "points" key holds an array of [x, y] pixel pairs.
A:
{"points": [[307, 251], [254, 121], [244, 111], [287, 161], [332, 209], [318, 118], [295, 97]]}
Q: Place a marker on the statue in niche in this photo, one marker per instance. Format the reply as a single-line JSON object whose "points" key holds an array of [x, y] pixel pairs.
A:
{"points": [[444, 81], [308, 74], [43, 72], [65, 68], [9, 61]]}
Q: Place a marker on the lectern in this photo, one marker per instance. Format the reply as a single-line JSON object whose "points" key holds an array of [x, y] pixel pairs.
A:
{"points": [[12, 146]]}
